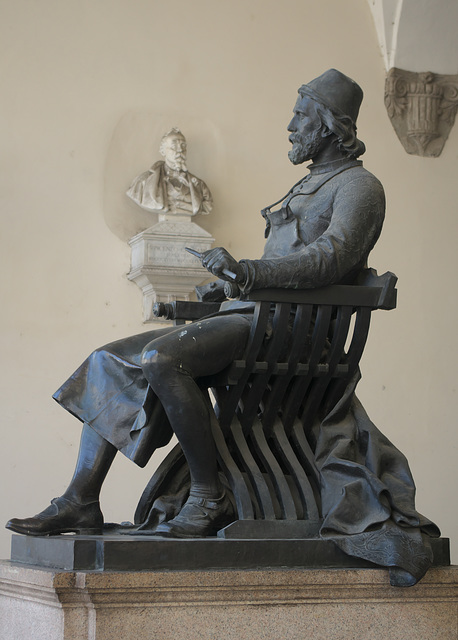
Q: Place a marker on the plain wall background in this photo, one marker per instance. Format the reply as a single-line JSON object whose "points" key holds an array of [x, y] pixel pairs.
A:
{"points": [[81, 81]]}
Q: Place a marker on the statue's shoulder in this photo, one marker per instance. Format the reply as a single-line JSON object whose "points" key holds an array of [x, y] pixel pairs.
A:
{"points": [[157, 166], [194, 179], [359, 175], [153, 169], [359, 171]]}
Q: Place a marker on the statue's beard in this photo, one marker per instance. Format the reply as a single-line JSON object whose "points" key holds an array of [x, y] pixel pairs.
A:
{"points": [[178, 163], [305, 148]]}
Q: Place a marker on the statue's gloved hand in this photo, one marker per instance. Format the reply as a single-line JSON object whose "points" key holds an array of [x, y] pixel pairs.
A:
{"points": [[220, 262]]}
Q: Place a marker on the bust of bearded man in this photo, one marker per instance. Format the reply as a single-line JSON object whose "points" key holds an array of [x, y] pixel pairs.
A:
{"points": [[168, 187]]}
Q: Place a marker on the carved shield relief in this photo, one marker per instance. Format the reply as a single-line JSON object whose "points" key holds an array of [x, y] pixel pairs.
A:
{"points": [[422, 109]]}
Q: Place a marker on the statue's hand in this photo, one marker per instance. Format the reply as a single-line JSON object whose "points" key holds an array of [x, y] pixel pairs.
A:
{"points": [[220, 262]]}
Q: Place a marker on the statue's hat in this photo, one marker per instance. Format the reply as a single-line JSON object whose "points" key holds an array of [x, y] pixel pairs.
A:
{"points": [[336, 91]]}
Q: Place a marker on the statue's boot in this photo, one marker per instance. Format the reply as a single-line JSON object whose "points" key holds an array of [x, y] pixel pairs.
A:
{"points": [[78, 510], [62, 516], [199, 518]]}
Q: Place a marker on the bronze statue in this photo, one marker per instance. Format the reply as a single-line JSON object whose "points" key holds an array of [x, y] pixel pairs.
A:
{"points": [[131, 394]]}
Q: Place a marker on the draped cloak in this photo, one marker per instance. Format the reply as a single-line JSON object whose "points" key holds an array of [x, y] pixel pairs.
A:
{"points": [[149, 190], [320, 235]]}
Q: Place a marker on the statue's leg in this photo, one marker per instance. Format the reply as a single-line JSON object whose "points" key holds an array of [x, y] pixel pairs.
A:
{"points": [[171, 364], [78, 509], [101, 374], [94, 461]]}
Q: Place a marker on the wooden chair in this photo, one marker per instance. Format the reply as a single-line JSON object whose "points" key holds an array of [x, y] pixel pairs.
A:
{"points": [[264, 405]]}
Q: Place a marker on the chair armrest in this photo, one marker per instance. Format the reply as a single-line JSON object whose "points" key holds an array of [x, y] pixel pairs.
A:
{"points": [[184, 309], [371, 290]]}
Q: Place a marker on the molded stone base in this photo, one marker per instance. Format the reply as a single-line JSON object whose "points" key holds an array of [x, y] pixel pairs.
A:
{"points": [[323, 604]]}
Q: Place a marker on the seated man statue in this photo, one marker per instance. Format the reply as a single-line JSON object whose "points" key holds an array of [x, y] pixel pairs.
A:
{"points": [[129, 393]]}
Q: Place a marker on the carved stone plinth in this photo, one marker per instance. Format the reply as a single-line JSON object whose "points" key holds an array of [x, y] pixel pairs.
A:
{"points": [[422, 109], [324, 604], [162, 268]]}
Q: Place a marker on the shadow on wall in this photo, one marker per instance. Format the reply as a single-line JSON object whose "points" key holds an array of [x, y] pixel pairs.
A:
{"points": [[134, 147]]}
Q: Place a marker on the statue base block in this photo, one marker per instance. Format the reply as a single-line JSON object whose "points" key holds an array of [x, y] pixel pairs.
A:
{"points": [[140, 553], [292, 604]]}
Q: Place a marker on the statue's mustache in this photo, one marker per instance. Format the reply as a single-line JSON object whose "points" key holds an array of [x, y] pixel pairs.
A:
{"points": [[295, 138]]}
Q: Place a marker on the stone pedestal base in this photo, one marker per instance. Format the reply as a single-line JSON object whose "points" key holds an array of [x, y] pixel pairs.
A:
{"points": [[275, 604]]}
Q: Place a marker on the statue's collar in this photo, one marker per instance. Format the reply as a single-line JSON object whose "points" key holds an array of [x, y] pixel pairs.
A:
{"points": [[309, 185], [326, 167], [170, 173]]}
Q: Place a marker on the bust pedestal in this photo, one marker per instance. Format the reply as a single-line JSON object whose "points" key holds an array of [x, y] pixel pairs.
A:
{"points": [[161, 266]]}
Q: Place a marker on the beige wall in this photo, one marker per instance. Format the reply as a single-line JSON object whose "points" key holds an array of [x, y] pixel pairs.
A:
{"points": [[81, 80]]}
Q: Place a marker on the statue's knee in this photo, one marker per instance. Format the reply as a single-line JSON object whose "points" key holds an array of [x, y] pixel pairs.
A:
{"points": [[99, 356], [149, 358], [155, 364]]}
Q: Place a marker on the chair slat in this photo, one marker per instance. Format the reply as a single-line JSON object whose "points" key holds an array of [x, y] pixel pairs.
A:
{"points": [[304, 453], [257, 387], [275, 396], [296, 471], [252, 470], [301, 384], [355, 351], [258, 331], [334, 355], [282, 490], [232, 472]]}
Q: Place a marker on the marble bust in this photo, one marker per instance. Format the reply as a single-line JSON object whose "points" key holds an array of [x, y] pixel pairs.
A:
{"points": [[168, 187]]}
